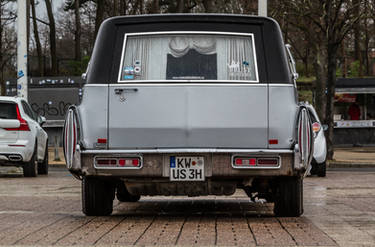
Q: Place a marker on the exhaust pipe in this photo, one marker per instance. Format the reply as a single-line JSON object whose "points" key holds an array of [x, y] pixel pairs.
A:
{"points": [[15, 157]]}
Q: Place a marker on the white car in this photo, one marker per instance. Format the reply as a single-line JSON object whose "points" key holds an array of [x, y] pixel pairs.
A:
{"points": [[23, 142], [318, 163]]}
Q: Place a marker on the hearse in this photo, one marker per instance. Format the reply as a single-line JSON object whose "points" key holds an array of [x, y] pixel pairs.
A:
{"points": [[189, 104]]}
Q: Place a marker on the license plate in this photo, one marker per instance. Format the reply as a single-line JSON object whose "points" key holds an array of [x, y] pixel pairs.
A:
{"points": [[190, 168]]}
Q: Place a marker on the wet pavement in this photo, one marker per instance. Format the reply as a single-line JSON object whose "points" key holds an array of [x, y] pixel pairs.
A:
{"points": [[339, 211]]}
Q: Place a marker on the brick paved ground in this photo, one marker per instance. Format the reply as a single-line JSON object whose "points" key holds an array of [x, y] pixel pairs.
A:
{"points": [[339, 210]]}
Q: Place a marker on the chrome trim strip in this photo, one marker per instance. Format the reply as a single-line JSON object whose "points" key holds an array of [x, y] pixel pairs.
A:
{"points": [[190, 32], [96, 85], [186, 150], [255, 167], [164, 84], [280, 85], [213, 83], [119, 168]]}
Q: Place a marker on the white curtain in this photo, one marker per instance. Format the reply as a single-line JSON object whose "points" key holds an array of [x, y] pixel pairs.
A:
{"points": [[235, 55], [235, 59], [137, 49], [181, 45], [151, 52]]}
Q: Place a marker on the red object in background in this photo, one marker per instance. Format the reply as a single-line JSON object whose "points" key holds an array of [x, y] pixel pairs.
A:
{"points": [[354, 112], [347, 98]]}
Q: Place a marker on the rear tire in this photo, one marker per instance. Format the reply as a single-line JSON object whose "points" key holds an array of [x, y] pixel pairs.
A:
{"points": [[30, 169], [97, 197], [123, 195], [43, 166], [289, 197], [321, 169]]}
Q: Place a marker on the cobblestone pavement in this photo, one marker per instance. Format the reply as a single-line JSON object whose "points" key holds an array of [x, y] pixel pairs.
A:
{"points": [[339, 211]]}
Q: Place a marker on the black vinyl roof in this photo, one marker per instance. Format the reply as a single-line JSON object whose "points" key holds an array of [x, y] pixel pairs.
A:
{"points": [[271, 56]]}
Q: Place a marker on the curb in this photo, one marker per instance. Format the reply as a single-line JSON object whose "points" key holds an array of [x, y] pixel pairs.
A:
{"points": [[350, 165]]}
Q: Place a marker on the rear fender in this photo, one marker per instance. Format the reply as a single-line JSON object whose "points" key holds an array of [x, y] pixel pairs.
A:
{"points": [[304, 148], [72, 139]]}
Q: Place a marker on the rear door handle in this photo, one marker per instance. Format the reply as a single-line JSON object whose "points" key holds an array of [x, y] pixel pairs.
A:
{"points": [[125, 90]]}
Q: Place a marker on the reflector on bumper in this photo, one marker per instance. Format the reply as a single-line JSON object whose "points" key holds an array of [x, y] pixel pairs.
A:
{"points": [[255, 162], [118, 162]]}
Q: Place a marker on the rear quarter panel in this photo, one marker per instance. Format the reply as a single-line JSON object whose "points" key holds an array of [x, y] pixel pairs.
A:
{"points": [[93, 112], [282, 115]]}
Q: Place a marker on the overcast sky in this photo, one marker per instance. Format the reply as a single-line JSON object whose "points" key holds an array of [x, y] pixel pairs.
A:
{"points": [[41, 7], [41, 11]]}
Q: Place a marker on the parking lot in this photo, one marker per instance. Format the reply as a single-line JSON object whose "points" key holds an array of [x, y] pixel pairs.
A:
{"points": [[339, 210]]}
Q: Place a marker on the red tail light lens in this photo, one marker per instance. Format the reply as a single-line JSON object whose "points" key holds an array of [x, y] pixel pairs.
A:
{"points": [[121, 162], [135, 162], [245, 162], [273, 141], [102, 140], [316, 127], [24, 126], [258, 162]]}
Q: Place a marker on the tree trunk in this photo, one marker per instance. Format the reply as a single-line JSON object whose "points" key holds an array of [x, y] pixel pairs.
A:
{"points": [[140, 4], [344, 62], [331, 83], [367, 39], [320, 83], [99, 15], [1, 55], [357, 37], [209, 6], [115, 8], [180, 6], [28, 35], [52, 37], [122, 7], [37, 39], [155, 8], [77, 31]]}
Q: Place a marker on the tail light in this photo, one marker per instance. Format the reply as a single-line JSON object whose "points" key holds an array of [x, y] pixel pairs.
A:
{"points": [[268, 161], [24, 126], [273, 141], [120, 162], [255, 162], [106, 162], [316, 127], [102, 140], [246, 161]]}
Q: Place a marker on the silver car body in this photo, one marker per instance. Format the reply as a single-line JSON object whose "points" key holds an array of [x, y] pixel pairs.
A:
{"points": [[219, 120], [178, 116], [320, 144]]}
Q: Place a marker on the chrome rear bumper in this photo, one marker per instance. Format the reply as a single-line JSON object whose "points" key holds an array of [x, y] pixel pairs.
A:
{"points": [[218, 163]]}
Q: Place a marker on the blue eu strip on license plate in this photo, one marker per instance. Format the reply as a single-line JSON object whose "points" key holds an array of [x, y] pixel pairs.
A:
{"points": [[186, 168], [173, 161]]}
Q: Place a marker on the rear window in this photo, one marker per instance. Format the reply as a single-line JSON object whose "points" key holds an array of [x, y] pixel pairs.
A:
{"points": [[8, 110], [192, 56]]}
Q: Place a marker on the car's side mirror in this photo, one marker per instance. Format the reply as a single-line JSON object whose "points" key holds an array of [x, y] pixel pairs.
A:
{"points": [[41, 120], [325, 127]]}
